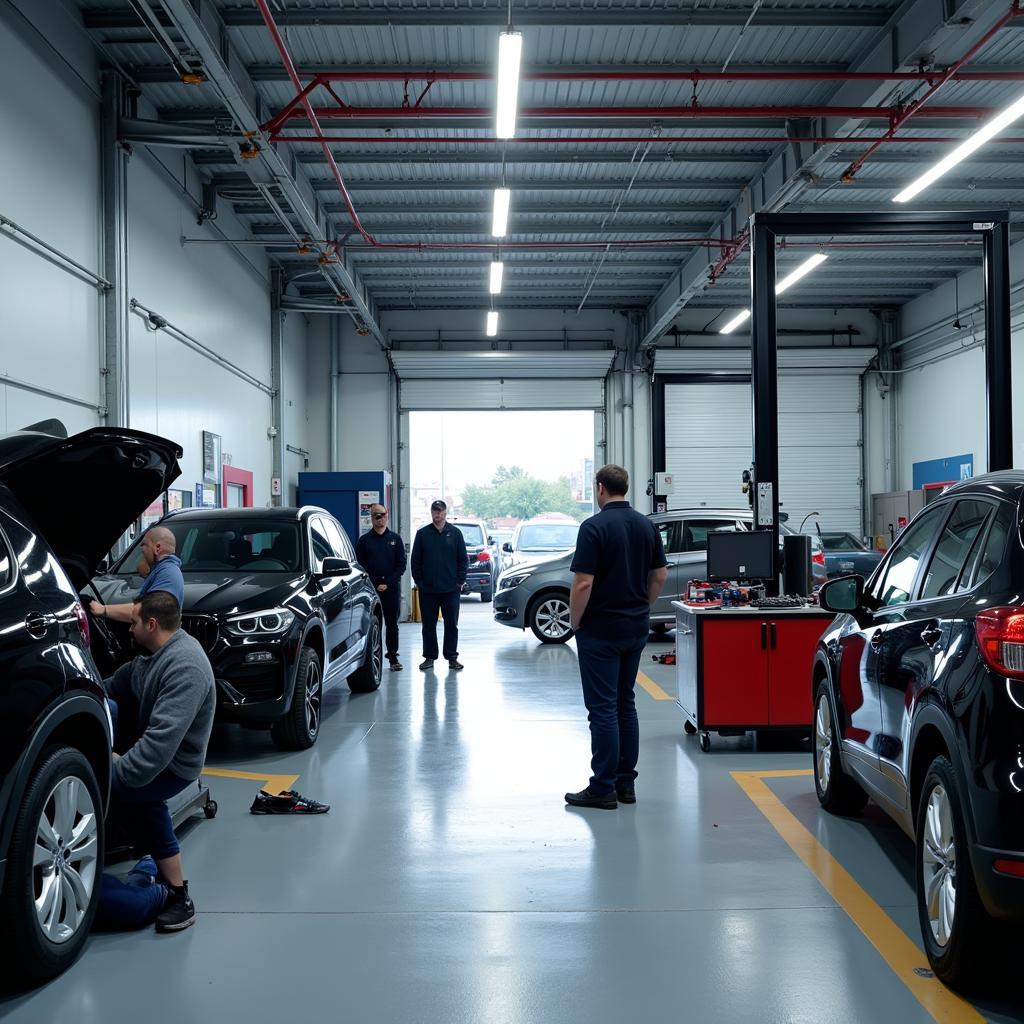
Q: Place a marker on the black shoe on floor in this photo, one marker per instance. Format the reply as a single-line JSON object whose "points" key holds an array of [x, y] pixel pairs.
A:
{"points": [[179, 911], [288, 802], [587, 798], [626, 794], [396, 665], [454, 665], [426, 664]]}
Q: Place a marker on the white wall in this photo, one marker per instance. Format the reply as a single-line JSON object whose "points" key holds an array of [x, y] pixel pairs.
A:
{"points": [[50, 185]]}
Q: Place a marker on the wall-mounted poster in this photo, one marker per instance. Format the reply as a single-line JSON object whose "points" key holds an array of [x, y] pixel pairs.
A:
{"points": [[211, 458], [367, 499]]}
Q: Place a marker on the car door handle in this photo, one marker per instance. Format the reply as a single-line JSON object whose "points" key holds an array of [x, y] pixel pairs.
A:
{"points": [[931, 635], [876, 641], [37, 624]]}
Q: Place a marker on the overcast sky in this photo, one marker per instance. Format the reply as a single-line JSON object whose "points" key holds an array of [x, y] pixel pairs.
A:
{"points": [[546, 444]]}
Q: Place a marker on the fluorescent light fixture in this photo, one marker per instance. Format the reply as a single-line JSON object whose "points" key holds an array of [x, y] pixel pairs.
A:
{"points": [[492, 323], [985, 133], [510, 51], [497, 272], [784, 285], [502, 201]]}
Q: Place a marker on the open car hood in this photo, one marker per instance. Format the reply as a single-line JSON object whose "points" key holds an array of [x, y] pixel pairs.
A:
{"points": [[82, 492]]}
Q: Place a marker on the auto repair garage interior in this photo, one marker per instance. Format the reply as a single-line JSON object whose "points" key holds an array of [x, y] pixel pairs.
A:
{"points": [[780, 237]]}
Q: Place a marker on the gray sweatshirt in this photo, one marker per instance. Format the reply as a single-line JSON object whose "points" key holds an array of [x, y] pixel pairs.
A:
{"points": [[176, 698]]}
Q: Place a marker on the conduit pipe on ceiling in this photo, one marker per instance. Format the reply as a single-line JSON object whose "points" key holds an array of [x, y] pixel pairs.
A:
{"points": [[914, 109]]}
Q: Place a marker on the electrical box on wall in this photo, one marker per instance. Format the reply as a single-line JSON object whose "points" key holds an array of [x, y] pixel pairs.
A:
{"points": [[347, 496], [664, 483]]}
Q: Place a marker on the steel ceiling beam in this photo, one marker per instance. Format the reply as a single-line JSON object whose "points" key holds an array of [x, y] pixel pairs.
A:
{"points": [[658, 15], [368, 210], [525, 184], [917, 27], [579, 156], [484, 230], [204, 33]]}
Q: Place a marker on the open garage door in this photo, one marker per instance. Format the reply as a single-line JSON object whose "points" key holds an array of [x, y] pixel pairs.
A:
{"points": [[707, 430]]}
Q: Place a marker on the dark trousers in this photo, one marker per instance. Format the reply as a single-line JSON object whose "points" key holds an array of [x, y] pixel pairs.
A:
{"points": [[141, 810], [449, 607], [390, 602], [608, 671]]}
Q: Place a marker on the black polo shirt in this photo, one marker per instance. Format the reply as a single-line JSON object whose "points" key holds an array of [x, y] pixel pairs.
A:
{"points": [[618, 547], [382, 556], [439, 561]]}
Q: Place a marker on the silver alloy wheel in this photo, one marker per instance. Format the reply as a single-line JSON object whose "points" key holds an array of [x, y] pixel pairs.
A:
{"points": [[823, 742], [64, 859], [313, 697], [938, 856], [552, 617], [377, 649]]}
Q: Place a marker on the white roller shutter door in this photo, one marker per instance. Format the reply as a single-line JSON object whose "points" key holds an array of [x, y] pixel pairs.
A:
{"points": [[708, 444], [426, 394]]}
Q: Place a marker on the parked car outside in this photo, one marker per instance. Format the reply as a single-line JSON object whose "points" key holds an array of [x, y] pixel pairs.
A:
{"points": [[846, 554], [482, 571], [540, 538], [55, 731], [281, 607], [536, 595], [919, 703]]}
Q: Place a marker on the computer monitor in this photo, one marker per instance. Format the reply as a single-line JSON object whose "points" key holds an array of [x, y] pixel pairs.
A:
{"points": [[741, 556]]}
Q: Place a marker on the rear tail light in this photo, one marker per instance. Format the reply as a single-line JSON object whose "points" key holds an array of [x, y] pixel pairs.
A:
{"points": [[1010, 867], [483, 557], [1000, 634], [83, 624], [818, 558]]}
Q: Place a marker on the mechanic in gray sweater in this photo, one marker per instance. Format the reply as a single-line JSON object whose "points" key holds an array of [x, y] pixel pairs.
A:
{"points": [[162, 703]]}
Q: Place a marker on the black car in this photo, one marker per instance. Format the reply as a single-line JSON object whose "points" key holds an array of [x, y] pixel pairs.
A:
{"points": [[846, 555], [919, 704], [482, 570], [281, 607], [54, 727]]}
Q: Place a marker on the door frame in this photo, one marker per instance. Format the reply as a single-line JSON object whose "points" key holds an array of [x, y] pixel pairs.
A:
{"points": [[239, 477]]}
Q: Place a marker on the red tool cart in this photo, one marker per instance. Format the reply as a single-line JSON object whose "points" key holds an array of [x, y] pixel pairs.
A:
{"points": [[746, 668]]}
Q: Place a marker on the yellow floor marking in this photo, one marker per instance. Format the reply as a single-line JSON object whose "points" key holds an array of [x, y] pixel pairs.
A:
{"points": [[652, 687], [880, 930], [273, 784]]}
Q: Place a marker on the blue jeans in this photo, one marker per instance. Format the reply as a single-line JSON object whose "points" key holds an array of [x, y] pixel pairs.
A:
{"points": [[608, 671], [142, 810], [133, 902], [449, 607]]}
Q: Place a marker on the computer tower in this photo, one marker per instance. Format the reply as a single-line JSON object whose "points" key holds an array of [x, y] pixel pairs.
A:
{"points": [[796, 569]]}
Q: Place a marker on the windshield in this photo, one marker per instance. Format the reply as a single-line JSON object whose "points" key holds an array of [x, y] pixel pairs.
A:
{"points": [[223, 544], [841, 542], [472, 533], [549, 536]]}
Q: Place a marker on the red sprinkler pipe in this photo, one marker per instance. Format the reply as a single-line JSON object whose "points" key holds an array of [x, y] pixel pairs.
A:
{"points": [[914, 109]]}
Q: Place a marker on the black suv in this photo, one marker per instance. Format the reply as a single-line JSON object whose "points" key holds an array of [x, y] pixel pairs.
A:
{"points": [[279, 604], [54, 726], [481, 572], [919, 703]]}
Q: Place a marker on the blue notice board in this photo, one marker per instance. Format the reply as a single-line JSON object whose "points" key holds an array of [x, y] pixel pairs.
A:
{"points": [[942, 471]]}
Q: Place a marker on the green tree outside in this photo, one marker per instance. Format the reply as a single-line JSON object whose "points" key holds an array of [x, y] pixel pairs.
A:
{"points": [[517, 495]]}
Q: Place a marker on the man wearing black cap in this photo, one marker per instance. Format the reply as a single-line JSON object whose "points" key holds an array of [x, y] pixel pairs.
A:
{"points": [[439, 565]]}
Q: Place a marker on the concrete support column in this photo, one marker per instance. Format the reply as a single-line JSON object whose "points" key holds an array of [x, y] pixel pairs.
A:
{"points": [[277, 438], [334, 343], [114, 170], [887, 360]]}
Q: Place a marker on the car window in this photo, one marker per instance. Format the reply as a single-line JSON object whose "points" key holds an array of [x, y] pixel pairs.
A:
{"points": [[321, 545], [548, 536], [6, 563], [339, 540], [669, 537], [954, 546], [472, 533], [841, 542], [988, 551], [695, 531], [895, 583]]}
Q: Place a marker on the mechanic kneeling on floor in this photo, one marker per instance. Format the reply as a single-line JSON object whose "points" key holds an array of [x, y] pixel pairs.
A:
{"points": [[162, 703]]}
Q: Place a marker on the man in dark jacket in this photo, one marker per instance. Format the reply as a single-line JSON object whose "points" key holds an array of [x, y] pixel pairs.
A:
{"points": [[439, 564], [382, 554]]}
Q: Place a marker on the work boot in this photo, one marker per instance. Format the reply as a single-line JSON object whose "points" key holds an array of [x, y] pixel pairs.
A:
{"points": [[179, 911], [588, 798], [426, 664], [454, 665], [396, 665]]}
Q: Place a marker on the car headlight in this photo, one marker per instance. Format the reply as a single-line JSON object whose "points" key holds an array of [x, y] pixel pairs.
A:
{"points": [[272, 622], [508, 582]]}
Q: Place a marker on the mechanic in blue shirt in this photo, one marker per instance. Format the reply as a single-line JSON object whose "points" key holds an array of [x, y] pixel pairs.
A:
{"points": [[620, 569], [381, 553], [439, 565], [160, 568]]}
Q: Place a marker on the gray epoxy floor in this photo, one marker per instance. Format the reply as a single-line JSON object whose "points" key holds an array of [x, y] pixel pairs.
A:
{"points": [[449, 883]]}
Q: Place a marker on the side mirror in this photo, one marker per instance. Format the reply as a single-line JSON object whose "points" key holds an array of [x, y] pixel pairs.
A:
{"points": [[507, 547], [490, 541], [844, 594], [335, 567]]}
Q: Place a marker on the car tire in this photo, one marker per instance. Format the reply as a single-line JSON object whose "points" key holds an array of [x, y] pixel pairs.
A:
{"points": [[63, 791], [300, 726], [956, 931], [367, 677], [549, 618], [486, 596], [837, 792]]}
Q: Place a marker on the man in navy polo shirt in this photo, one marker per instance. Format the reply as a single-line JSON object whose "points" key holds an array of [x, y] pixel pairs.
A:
{"points": [[381, 553], [160, 568], [619, 568]]}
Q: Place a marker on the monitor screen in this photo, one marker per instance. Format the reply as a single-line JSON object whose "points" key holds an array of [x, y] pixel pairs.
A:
{"points": [[740, 556]]}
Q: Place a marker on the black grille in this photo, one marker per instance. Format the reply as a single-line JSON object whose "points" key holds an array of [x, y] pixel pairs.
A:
{"points": [[203, 627]]}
